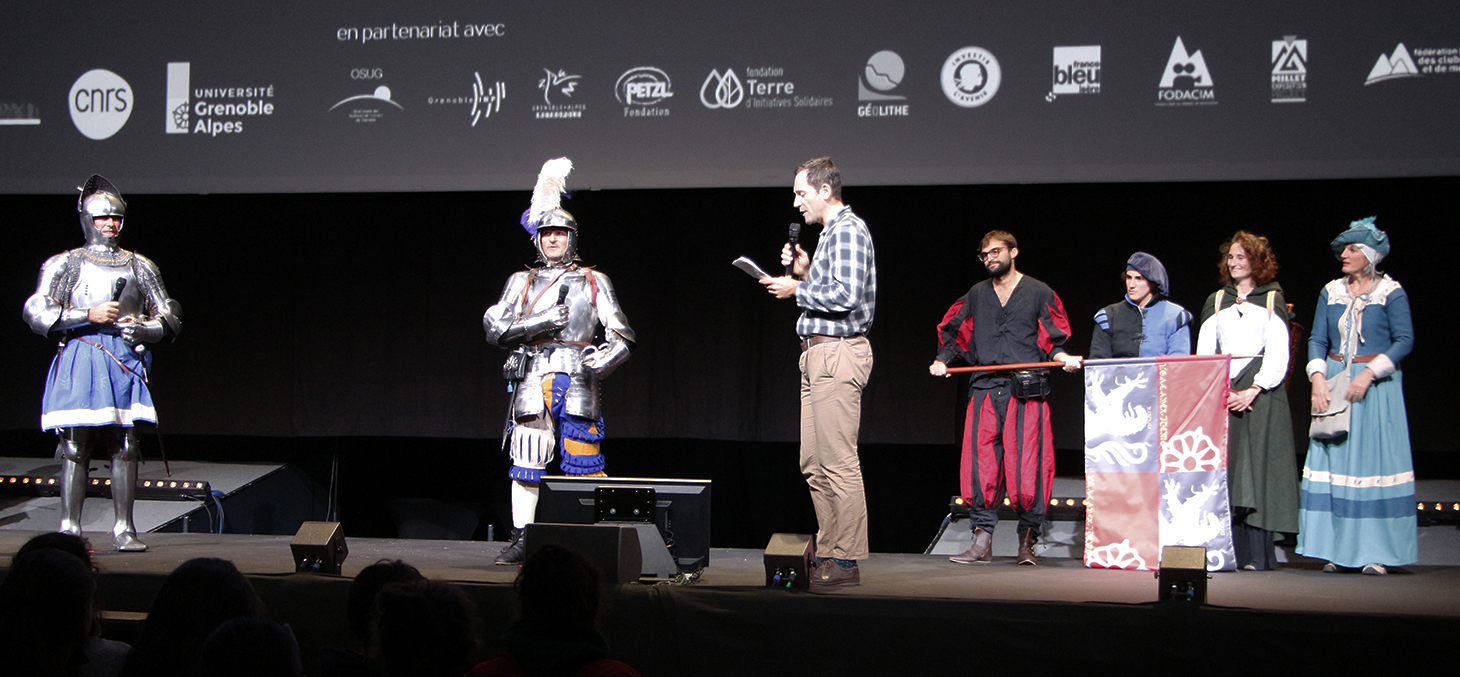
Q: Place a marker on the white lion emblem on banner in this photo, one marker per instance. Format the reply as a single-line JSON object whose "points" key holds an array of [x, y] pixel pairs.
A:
{"points": [[1109, 413], [1191, 522]]}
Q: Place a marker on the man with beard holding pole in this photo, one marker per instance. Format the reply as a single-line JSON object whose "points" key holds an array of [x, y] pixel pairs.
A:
{"points": [[1019, 324]]}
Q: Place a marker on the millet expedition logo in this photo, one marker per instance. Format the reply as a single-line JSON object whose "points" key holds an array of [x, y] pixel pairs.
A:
{"points": [[1289, 70]]}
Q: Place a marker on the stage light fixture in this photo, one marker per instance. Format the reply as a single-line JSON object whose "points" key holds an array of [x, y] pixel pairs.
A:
{"points": [[957, 507], [1439, 512], [147, 490], [1063, 509]]}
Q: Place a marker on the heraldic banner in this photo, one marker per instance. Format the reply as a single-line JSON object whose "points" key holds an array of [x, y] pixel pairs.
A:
{"points": [[1156, 460]]}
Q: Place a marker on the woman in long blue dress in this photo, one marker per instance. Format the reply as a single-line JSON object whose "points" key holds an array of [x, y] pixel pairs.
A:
{"points": [[1358, 508]]}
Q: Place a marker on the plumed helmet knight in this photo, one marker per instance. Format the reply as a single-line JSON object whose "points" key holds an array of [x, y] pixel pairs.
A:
{"points": [[99, 198], [546, 211]]}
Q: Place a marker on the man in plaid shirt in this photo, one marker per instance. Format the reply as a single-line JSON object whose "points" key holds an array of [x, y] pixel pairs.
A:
{"points": [[837, 292]]}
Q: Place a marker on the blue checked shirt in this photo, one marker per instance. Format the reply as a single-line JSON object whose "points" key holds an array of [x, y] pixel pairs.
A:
{"points": [[839, 294]]}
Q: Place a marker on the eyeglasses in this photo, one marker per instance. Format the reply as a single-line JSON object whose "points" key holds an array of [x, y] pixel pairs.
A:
{"points": [[984, 256]]}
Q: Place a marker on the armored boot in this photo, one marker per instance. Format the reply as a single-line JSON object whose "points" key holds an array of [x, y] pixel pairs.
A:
{"points": [[515, 551], [981, 552], [74, 471], [1027, 539], [75, 468], [124, 493]]}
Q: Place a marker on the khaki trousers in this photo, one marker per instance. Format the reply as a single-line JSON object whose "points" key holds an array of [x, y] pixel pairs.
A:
{"points": [[833, 375]]}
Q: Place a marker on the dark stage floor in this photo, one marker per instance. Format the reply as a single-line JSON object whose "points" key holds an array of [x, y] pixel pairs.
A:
{"points": [[911, 612]]}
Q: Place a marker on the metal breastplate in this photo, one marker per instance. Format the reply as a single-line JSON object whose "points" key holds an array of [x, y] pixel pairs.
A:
{"points": [[582, 316], [563, 354], [92, 277]]}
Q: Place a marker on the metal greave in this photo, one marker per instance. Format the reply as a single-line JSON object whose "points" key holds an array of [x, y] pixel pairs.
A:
{"points": [[74, 467], [124, 493]]}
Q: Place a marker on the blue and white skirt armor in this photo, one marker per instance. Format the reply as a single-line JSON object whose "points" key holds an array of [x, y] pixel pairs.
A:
{"points": [[89, 386]]}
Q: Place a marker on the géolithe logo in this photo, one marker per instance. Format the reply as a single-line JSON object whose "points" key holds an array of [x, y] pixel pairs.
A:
{"points": [[880, 77], [722, 90], [882, 74], [100, 102]]}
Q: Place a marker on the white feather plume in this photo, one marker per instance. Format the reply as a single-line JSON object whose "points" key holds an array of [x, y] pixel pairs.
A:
{"points": [[551, 183]]}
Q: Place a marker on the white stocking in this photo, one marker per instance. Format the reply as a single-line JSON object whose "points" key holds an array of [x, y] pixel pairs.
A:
{"points": [[524, 503]]}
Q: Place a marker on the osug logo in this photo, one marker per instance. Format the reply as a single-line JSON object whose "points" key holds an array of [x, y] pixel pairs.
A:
{"points": [[722, 90]]}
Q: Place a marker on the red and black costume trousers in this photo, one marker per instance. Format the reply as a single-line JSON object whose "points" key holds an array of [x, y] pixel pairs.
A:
{"points": [[1007, 451]]}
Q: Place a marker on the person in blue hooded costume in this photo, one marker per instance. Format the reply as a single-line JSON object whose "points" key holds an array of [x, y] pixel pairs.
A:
{"points": [[1358, 488], [1145, 323]]}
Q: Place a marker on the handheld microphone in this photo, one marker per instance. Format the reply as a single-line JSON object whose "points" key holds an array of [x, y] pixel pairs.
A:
{"points": [[562, 299], [793, 237], [118, 285]]}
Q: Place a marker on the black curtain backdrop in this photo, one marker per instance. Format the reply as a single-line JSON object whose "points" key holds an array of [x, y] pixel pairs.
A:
{"points": [[353, 316]]}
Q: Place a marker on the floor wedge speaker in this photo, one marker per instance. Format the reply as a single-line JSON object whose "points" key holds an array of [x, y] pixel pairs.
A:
{"points": [[613, 548]]}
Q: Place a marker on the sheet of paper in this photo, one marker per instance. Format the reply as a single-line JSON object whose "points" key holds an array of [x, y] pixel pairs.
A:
{"points": [[750, 268]]}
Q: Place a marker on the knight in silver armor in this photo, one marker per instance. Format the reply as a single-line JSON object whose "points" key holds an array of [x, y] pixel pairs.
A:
{"points": [[566, 331], [102, 304]]}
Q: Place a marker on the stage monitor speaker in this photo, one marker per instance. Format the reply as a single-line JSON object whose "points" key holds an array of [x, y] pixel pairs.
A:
{"points": [[788, 559], [1183, 574], [319, 547], [613, 548]]}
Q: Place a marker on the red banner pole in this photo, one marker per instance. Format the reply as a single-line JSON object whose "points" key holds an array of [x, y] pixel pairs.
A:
{"points": [[1114, 360]]}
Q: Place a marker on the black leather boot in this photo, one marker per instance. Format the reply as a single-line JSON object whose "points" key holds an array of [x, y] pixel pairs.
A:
{"points": [[515, 551]]}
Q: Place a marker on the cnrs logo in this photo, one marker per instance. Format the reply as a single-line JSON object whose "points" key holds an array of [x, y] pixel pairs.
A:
{"points": [[100, 102]]}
